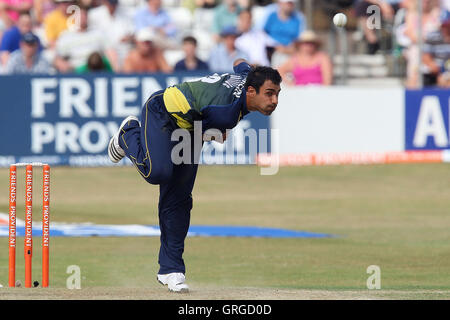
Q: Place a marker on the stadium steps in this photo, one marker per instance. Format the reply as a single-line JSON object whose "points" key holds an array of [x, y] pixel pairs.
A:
{"points": [[362, 66]]}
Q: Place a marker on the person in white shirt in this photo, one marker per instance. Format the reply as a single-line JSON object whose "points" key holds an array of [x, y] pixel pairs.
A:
{"points": [[225, 53], [73, 47], [116, 23], [252, 41]]}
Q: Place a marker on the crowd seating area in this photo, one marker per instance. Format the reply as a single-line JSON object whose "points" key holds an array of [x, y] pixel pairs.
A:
{"points": [[296, 36]]}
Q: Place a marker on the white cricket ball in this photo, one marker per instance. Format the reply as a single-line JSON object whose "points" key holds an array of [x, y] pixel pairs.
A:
{"points": [[340, 20]]}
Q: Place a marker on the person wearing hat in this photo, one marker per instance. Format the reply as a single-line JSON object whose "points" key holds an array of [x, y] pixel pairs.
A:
{"points": [[147, 56], [225, 53], [28, 59], [308, 64], [436, 57], [11, 38]]}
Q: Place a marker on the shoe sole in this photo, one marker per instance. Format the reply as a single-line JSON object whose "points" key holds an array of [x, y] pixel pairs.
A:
{"points": [[112, 152], [184, 290]]}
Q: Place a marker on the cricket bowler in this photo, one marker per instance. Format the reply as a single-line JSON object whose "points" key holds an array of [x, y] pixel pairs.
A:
{"points": [[214, 102]]}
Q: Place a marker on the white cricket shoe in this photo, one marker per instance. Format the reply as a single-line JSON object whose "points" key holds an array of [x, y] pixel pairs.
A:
{"points": [[175, 281], [115, 152]]}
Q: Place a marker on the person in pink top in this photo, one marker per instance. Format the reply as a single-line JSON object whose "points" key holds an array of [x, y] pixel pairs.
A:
{"points": [[11, 9], [308, 64]]}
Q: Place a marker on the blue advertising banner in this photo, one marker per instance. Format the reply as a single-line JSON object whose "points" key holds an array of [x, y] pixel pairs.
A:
{"points": [[68, 119], [427, 119]]}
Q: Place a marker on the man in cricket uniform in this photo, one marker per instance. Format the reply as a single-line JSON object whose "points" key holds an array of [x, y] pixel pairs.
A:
{"points": [[217, 102]]}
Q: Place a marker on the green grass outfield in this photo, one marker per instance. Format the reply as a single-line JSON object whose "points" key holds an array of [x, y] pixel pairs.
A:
{"points": [[394, 216]]}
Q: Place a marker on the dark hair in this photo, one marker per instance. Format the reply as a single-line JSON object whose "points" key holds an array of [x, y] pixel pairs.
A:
{"points": [[95, 62], [25, 13], [258, 75], [190, 39]]}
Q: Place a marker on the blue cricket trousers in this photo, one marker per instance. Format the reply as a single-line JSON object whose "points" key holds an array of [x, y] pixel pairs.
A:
{"points": [[149, 147]]}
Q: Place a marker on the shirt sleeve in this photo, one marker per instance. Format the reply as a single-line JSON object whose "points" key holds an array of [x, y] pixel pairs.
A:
{"points": [[10, 67], [169, 27], [61, 47], [139, 20], [213, 63], [242, 68], [267, 24]]}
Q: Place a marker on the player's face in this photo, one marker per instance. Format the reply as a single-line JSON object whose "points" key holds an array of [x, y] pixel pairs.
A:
{"points": [[189, 49], [266, 100]]}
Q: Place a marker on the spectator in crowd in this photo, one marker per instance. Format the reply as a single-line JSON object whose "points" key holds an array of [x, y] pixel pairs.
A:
{"points": [[116, 25], [11, 9], [12, 37], [56, 21], [225, 14], [42, 8], [387, 7], [95, 63], [445, 10], [190, 62], [28, 59], [206, 4], [308, 64], [73, 47], [88, 4], [252, 41], [284, 25], [153, 16], [225, 53], [430, 23], [147, 56], [262, 2], [436, 57]]}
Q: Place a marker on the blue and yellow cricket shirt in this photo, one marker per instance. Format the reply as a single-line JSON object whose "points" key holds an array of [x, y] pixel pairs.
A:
{"points": [[219, 101]]}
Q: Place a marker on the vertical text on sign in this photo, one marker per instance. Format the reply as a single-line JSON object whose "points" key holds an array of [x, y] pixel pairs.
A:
{"points": [[45, 224], [46, 206], [12, 226], [29, 206], [12, 207], [28, 247]]}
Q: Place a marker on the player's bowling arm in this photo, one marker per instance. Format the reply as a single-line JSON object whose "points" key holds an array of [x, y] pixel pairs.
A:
{"points": [[238, 62], [242, 66]]}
